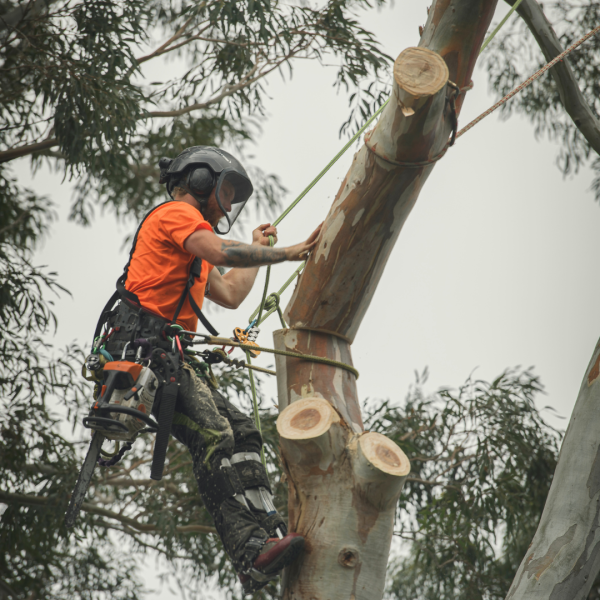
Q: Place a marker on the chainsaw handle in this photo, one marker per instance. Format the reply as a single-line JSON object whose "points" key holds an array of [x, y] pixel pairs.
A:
{"points": [[165, 419]]}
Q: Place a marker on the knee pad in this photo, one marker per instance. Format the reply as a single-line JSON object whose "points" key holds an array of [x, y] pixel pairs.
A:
{"points": [[220, 483], [254, 480], [257, 491]]}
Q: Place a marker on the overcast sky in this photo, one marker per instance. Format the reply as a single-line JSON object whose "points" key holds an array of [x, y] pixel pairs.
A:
{"points": [[494, 267]]}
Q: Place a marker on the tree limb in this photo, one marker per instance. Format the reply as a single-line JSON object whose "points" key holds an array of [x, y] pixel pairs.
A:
{"points": [[13, 153], [571, 96], [228, 90], [177, 35], [6, 591], [27, 499]]}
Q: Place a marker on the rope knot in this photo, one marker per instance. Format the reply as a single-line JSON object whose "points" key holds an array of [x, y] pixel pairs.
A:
{"points": [[272, 301]]}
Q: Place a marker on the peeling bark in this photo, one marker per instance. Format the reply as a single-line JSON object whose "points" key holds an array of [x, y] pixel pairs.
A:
{"points": [[297, 379], [564, 557], [344, 483], [377, 196]]}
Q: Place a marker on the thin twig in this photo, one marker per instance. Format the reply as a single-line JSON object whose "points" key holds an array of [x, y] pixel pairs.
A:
{"points": [[177, 35]]}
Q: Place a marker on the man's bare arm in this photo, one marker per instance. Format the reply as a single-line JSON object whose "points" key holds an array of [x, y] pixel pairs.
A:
{"points": [[231, 289], [238, 254], [225, 253]]}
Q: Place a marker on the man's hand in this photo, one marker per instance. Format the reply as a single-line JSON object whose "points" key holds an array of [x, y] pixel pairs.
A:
{"points": [[260, 236], [301, 251]]}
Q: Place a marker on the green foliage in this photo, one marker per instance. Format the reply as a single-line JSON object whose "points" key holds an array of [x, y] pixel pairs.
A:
{"points": [[83, 76], [38, 465], [482, 460], [514, 56], [67, 71]]}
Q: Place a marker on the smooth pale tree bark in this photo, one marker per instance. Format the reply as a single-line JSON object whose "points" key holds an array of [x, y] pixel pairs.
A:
{"points": [[344, 482], [364, 476], [564, 557]]}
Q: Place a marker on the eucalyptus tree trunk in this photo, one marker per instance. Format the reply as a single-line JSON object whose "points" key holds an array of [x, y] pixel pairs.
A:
{"points": [[564, 558], [344, 483]]}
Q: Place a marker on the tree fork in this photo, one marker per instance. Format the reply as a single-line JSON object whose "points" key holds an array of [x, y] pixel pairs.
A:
{"points": [[325, 476], [345, 488]]}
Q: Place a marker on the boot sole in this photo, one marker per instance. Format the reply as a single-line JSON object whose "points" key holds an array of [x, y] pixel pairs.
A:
{"points": [[288, 556]]}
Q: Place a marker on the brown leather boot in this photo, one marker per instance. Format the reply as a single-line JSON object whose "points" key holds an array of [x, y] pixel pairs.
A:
{"points": [[274, 556]]}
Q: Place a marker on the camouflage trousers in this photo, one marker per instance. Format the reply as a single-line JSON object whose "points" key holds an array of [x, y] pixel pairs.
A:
{"points": [[212, 428]]}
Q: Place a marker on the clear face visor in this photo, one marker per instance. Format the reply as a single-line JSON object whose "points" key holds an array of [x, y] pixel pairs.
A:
{"points": [[232, 192]]}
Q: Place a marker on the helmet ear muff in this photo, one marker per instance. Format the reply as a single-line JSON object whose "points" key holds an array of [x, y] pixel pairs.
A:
{"points": [[201, 181]]}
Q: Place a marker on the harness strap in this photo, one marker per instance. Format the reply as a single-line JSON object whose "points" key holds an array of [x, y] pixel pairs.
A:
{"points": [[195, 270], [105, 313], [252, 474], [123, 292], [201, 316]]}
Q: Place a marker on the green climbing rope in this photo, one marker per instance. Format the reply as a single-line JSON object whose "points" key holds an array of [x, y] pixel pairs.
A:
{"points": [[305, 191], [272, 309], [255, 409], [499, 27], [267, 277]]}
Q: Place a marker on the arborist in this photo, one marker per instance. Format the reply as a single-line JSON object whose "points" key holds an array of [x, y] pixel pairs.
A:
{"points": [[176, 248]]}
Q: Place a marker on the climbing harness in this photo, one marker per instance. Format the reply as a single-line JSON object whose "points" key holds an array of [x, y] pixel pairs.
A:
{"points": [[122, 293], [128, 391]]}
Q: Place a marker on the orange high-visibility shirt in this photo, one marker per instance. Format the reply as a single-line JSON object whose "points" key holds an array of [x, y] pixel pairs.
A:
{"points": [[160, 265]]}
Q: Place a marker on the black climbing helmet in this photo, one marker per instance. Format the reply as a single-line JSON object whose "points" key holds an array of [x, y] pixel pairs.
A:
{"points": [[199, 169]]}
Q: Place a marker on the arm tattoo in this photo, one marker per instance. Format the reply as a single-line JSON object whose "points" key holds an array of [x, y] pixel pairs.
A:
{"points": [[244, 255]]}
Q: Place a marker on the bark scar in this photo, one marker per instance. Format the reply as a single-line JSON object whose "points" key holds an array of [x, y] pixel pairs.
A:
{"points": [[538, 566], [594, 371]]}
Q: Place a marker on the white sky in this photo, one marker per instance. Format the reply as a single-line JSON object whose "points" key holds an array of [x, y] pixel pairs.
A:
{"points": [[494, 267]]}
